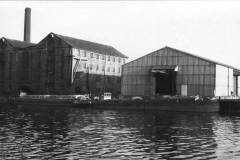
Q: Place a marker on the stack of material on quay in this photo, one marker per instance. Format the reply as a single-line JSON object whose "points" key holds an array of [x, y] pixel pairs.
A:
{"points": [[56, 100], [169, 71]]}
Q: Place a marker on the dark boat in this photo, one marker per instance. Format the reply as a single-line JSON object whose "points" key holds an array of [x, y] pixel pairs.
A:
{"points": [[229, 106]]}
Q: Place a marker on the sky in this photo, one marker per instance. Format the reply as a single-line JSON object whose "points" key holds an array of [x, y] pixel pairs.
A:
{"points": [[136, 28]]}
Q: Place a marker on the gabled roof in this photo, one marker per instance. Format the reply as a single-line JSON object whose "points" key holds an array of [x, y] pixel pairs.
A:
{"points": [[90, 46], [16, 43], [189, 54], [205, 59]]}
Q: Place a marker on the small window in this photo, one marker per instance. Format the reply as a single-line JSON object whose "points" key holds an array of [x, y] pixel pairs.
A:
{"points": [[85, 65], [103, 57], [91, 67], [79, 54], [119, 60], [91, 55], [113, 69], [85, 53], [113, 59], [97, 56], [97, 67], [108, 58], [119, 70], [103, 68], [108, 69]]}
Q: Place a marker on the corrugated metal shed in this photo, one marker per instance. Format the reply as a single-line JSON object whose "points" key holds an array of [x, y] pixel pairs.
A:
{"points": [[195, 74]]}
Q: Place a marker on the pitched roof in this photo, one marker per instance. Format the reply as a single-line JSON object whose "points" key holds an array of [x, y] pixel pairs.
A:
{"points": [[189, 54], [17, 43], [91, 46], [205, 59]]}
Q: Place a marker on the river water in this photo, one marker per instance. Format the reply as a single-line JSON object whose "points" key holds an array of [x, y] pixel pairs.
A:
{"points": [[72, 133]]}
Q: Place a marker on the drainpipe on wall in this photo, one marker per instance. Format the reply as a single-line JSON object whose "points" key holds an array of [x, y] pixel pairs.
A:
{"points": [[228, 81]]}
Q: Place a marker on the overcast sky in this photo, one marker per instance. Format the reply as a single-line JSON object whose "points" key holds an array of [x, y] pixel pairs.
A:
{"points": [[208, 29]]}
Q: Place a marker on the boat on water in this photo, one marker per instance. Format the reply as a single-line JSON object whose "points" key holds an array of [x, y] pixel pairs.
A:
{"points": [[189, 104], [229, 105]]}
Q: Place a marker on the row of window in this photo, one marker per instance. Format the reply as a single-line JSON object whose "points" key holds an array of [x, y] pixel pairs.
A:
{"points": [[103, 68], [92, 55]]}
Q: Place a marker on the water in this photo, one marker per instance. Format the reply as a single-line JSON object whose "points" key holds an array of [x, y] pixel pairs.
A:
{"points": [[71, 133]]}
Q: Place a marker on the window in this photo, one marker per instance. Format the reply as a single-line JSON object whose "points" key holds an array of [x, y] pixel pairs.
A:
{"points": [[91, 66], [113, 59], [119, 70], [113, 69], [123, 61], [103, 68], [108, 69], [119, 60], [103, 57], [91, 55], [78, 75], [84, 65], [97, 67], [79, 54], [97, 56], [85, 53], [108, 58], [79, 67]]}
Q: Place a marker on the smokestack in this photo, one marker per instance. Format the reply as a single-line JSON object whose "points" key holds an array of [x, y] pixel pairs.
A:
{"points": [[27, 25]]}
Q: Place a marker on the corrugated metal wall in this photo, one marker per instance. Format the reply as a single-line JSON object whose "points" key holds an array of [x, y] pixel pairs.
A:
{"points": [[197, 74], [48, 67], [8, 68]]}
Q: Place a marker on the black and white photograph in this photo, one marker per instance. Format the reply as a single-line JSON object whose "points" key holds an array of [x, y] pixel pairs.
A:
{"points": [[120, 80]]}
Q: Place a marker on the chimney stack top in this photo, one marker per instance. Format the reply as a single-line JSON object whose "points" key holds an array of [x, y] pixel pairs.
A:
{"points": [[27, 25]]}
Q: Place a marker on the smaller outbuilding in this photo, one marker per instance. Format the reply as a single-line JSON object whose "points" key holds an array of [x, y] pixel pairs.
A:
{"points": [[169, 71]]}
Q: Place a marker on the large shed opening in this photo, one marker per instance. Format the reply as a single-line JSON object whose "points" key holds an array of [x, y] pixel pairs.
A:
{"points": [[165, 81]]}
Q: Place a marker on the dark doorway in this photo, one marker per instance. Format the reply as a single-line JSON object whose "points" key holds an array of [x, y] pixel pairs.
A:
{"points": [[26, 89], [165, 82]]}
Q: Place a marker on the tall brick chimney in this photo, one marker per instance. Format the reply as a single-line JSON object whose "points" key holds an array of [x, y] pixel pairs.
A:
{"points": [[27, 25]]}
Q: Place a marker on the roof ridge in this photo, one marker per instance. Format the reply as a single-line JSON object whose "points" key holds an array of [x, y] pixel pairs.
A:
{"points": [[17, 43], [89, 45], [81, 39], [206, 59]]}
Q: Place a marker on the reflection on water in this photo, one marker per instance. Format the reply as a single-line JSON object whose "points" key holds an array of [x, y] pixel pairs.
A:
{"points": [[71, 133]]}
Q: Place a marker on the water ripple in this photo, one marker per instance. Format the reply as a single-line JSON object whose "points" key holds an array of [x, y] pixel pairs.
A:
{"points": [[67, 133]]}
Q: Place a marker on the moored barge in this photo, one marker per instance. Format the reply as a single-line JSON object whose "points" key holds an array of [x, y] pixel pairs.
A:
{"points": [[185, 104]]}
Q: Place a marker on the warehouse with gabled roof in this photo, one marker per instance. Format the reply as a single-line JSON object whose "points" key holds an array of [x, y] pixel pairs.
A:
{"points": [[169, 71], [65, 65]]}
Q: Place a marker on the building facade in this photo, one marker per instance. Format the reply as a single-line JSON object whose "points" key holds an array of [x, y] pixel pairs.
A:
{"points": [[170, 71], [60, 65], [9, 65]]}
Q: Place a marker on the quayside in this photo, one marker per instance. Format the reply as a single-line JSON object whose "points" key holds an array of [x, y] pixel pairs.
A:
{"points": [[165, 104]]}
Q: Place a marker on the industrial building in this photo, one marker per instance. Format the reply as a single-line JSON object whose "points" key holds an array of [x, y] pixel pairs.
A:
{"points": [[10, 71], [169, 71], [65, 65], [58, 65]]}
